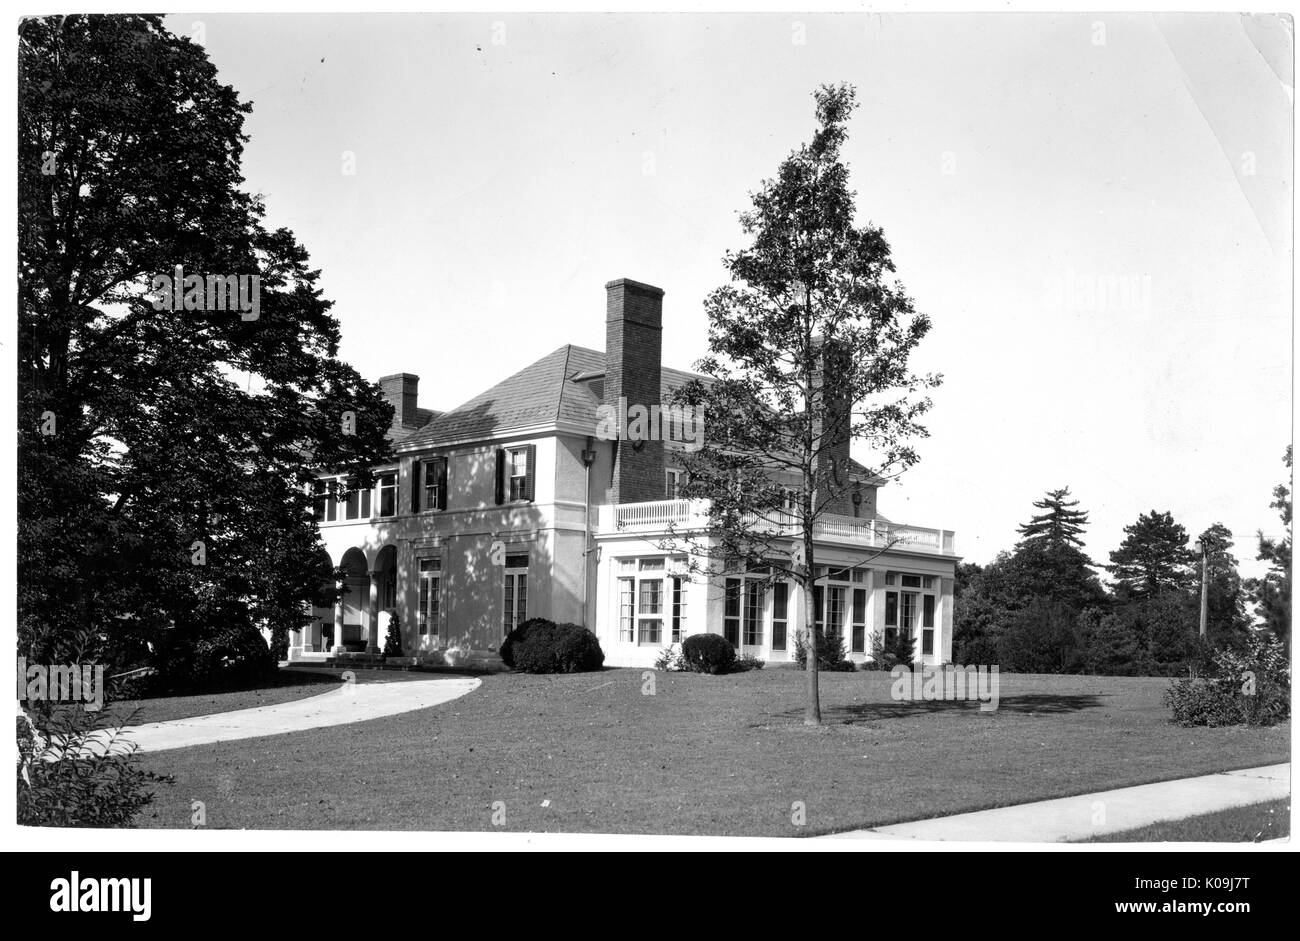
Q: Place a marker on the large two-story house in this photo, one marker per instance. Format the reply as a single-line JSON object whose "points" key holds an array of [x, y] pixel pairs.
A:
{"points": [[516, 505]]}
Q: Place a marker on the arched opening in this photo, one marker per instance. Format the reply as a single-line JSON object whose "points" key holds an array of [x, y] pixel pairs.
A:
{"points": [[354, 585]]}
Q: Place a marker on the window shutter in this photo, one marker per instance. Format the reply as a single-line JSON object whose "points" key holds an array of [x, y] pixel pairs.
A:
{"points": [[531, 459], [501, 476], [415, 485], [442, 484]]}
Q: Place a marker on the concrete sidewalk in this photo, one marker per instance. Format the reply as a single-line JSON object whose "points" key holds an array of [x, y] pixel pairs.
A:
{"points": [[351, 702], [1088, 815]]}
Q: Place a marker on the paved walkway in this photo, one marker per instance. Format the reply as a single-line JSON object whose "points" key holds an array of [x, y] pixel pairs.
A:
{"points": [[1087, 815], [351, 702]]}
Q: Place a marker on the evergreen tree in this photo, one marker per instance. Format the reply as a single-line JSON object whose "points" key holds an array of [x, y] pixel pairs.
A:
{"points": [[1060, 523], [1113, 648], [1272, 593], [1153, 557]]}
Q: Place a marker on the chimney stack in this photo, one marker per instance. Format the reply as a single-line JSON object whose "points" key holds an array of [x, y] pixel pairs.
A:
{"points": [[633, 346], [400, 392]]}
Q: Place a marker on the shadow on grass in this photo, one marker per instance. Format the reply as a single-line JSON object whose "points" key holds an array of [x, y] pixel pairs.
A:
{"points": [[1027, 704]]}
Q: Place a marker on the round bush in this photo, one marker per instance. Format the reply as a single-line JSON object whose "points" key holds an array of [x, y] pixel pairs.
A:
{"points": [[542, 646], [708, 653]]}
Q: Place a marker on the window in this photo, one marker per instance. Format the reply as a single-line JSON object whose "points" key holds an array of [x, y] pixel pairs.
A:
{"points": [[431, 480], [322, 501], [835, 611], [352, 504], [780, 610], [754, 596], [927, 610], [859, 640], [819, 620], [672, 483], [679, 609], [927, 642], [907, 616], [430, 596], [518, 474], [515, 593], [731, 612], [626, 609], [387, 494], [927, 582], [891, 609], [650, 609], [911, 581], [891, 578]]}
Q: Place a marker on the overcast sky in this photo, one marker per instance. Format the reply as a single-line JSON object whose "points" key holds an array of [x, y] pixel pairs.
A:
{"points": [[1094, 210]]}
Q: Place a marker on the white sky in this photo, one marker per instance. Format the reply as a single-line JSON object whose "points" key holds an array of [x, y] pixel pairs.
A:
{"points": [[499, 186]]}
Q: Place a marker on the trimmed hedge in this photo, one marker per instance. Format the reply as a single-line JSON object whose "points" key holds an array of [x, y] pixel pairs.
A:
{"points": [[708, 653], [539, 645]]}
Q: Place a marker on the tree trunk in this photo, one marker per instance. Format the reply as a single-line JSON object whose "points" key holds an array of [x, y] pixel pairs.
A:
{"points": [[813, 708]]}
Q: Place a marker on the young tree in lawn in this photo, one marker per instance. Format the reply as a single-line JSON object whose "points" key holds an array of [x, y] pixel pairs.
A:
{"points": [[808, 351], [164, 453], [1272, 593], [1153, 557]]}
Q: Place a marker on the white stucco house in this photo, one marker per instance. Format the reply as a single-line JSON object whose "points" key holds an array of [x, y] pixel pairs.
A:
{"points": [[512, 506]]}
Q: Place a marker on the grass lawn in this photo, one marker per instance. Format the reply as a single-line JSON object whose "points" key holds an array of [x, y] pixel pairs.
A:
{"points": [[724, 755], [287, 686], [1269, 820]]}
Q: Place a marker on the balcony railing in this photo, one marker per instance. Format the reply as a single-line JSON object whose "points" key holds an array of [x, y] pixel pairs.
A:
{"points": [[683, 516]]}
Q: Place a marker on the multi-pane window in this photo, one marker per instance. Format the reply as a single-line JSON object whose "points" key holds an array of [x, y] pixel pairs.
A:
{"points": [[679, 609], [780, 613], [518, 470], [515, 593], [387, 494], [835, 610], [731, 611], [650, 609], [910, 611], [672, 483], [859, 641], [753, 613], [323, 502], [626, 609], [435, 482], [430, 596]]}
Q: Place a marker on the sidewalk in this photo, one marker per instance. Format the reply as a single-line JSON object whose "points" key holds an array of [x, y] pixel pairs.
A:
{"points": [[1088, 815], [352, 702]]}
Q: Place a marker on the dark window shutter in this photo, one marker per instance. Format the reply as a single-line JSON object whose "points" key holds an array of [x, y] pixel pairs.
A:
{"points": [[501, 476], [442, 484], [531, 460], [415, 485]]}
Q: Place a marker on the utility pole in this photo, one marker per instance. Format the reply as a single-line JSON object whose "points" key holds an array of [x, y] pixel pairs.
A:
{"points": [[1200, 547]]}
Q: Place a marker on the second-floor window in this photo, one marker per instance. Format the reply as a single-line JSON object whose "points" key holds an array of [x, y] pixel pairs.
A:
{"points": [[429, 491], [672, 483], [387, 494], [516, 473]]}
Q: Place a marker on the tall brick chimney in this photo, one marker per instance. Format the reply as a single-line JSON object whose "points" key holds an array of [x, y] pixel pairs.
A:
{"points": [[835, 421], [400, 392], [633, 346]]}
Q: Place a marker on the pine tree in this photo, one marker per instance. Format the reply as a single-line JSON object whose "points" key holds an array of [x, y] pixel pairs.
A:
{"points": [[1060, 524], [1153, 556], [1272, 593], [1226, 618]]}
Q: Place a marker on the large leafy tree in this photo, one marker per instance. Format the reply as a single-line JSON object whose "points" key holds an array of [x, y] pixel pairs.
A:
{"points": [[808, 350], [1153, 557], [1272, 593], [163, 454]]}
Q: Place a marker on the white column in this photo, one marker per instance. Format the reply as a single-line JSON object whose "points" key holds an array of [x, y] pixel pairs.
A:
{"points": [[338, 619]]}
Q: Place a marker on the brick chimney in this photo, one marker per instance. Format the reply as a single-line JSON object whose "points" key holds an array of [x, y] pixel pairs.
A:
{"points": [[834, 420], [633, 345], [400, 392]]}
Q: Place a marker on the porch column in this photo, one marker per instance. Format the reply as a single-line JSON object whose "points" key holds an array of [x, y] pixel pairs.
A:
{"points": [[338, 620], [372, 613]]}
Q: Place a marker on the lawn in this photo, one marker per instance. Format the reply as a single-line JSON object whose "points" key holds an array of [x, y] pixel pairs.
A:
{"points": [[287, 686], [724, 755], [1253, 823]]}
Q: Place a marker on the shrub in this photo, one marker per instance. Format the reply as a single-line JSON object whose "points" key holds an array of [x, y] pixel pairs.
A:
{"points": [[73, 771], [1251, 686], [393, 642], [830, 651], [670, 659], [746, 662], [542, 646], [234, 656], [708, 653]]}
